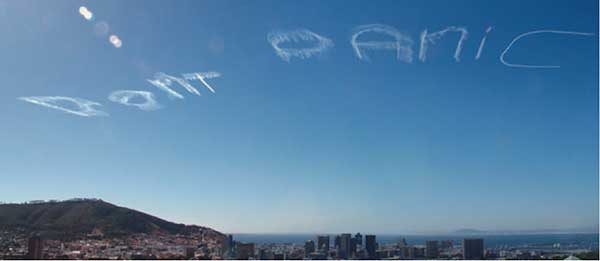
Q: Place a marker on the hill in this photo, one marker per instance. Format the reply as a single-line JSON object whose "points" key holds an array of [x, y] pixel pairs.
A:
{"points": [[77, 218]]}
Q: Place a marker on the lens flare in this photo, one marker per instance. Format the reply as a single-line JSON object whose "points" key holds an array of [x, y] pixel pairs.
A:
{"points": [[114, 40], [87, 14]]}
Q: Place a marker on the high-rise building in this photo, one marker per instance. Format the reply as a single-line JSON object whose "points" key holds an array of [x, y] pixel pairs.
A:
{"points": [[358, 238], [431, 248], [345, 246], [336, 241], [446, 244], [228, 247], [472, 248], [405, 252], [402, 243], [353, 247], [323, 243], [371, 246], [245, 250], [34, 248], [309, 247], [412, 252]]}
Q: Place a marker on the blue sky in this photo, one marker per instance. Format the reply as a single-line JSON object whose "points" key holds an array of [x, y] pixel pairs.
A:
{"points": [[329, 143]]}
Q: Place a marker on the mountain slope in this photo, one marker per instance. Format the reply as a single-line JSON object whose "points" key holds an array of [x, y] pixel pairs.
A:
{"points": [[78, 218]]}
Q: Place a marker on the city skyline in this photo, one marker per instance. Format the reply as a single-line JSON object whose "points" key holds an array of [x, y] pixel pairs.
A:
{"points": [[87, 228], [437, 132]]}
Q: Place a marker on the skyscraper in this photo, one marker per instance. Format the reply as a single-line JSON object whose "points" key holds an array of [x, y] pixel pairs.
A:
{"points": [[228, 247], [309, 247], [353, 247], [336, 241], [358, 238], [345, 246], [402, 243], [446, 244], [371, 246], [431, 249], [405, 252], [34, 248], [472, 248], [323, 243]]}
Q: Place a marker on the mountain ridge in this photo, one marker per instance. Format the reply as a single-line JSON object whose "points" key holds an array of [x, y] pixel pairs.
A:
{"points": [[80, 217]]}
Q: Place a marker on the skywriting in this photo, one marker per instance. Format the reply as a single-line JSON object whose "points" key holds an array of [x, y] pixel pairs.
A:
{"points": [[340, 129]]}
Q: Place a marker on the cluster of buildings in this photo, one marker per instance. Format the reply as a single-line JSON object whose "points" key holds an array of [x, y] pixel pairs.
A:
{"points": [[16, 245], [348, 246], [136, 246]]}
